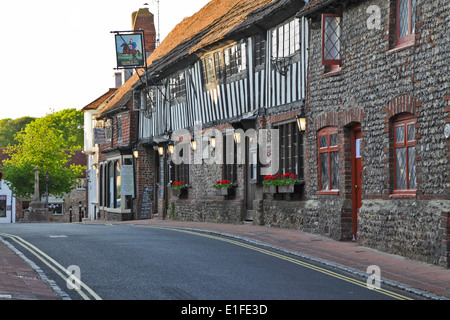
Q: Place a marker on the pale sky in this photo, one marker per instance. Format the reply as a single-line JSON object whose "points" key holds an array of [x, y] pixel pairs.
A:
{"points": [[59, 54]]}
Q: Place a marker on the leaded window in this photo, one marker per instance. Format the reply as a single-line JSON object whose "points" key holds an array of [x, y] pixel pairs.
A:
{"points": [[177, 86], [331, 39], [406, 20], [227, 62], [119, 129], [208, 70], [286, 39], [291, 149], [328, 160], [404, 155], [260, 50], [229, 163]]}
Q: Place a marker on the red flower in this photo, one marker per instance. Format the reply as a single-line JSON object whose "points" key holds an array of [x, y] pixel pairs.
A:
{"points": [[293, 176]]}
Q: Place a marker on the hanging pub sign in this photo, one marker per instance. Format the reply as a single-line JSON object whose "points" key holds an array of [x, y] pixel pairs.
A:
{"points": [[130, 50]]}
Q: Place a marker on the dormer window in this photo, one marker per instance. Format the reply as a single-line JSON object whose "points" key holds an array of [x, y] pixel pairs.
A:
{"points": [[224, 63]]}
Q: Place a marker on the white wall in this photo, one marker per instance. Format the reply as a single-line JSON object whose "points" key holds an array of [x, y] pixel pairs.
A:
{"points": [[5, 193]]}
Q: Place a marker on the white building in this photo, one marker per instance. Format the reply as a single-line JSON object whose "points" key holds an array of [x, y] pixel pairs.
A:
{"points": [[91, 150], [7, 204]]}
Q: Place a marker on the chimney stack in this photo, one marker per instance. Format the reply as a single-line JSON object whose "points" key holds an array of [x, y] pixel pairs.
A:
{"points": [[144, 20], [118, 79]]}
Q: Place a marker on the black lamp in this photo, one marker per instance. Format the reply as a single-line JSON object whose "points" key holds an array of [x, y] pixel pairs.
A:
{"points": [[301, 121]]}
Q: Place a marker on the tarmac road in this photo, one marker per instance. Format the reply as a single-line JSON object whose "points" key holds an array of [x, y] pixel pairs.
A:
{"points": [[152, 262]]}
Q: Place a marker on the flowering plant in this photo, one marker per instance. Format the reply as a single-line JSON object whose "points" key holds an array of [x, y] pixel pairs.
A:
{"points": [[286, 179], [223, 184], [270, 180], [177, 185]]}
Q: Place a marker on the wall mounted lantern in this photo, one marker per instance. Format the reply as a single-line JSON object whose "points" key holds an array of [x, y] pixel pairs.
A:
{"points": [[171, 147], [301, 121], [135, 152], [193, 144], [237, 137], [212, 141]]}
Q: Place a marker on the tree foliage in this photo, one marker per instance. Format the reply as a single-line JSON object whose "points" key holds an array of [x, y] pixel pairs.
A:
{"points": [[9, 128], [47, 143]]}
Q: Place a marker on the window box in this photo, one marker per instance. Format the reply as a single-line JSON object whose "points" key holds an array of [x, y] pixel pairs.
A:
{"points": [[226, 192], [270, 189], [286, 189], [180, 193]]}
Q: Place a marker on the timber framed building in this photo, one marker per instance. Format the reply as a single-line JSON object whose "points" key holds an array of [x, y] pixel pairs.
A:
{"points": [[372, 164]]}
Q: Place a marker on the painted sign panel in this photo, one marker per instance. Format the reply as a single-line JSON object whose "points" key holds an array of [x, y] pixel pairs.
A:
{"points": [[99, 136], [127, 180], [130, 50]]}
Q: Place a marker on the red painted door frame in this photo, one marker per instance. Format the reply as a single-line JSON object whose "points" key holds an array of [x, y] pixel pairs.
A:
{"points": [[356, 176]]}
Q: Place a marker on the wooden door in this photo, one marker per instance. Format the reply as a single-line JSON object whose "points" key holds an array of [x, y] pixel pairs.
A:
{"points": [[356, 176]]}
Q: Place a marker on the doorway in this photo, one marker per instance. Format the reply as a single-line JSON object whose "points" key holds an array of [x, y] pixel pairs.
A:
{"points": [[356, 176]]}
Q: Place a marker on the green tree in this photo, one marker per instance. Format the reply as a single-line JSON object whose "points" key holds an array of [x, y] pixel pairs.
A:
{"points": [[44, 144], [69, 123], [9, 128]]}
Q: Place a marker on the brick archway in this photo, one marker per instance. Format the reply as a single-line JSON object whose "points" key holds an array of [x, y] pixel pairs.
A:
{"points": [[401, 104]]}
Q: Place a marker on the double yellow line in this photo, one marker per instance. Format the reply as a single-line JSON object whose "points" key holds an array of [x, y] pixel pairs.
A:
{"points": [[56, 267], [296, 261]]}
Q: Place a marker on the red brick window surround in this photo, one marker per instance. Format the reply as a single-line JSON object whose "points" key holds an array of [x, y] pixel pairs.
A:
{"points": [[405, 17], [404, 156], [328, 161], [331, 40]]}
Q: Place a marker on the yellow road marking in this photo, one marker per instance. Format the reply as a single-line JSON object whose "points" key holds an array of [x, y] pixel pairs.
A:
{"points": [[53, 265], [293, 260]]}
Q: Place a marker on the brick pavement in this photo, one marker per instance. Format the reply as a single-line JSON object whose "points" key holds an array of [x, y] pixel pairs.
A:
{"points": [[18, 280]]}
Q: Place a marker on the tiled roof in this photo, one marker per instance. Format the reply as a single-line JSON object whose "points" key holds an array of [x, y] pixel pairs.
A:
{"points": [[230, 20], [184, 31], [314, 5], [212, 23], [97, 102]]}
